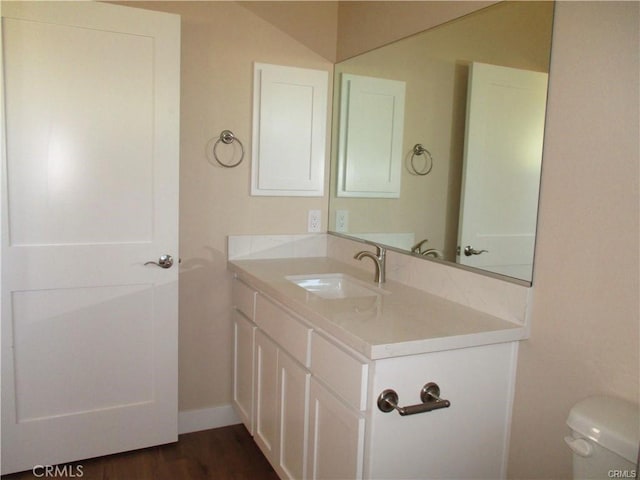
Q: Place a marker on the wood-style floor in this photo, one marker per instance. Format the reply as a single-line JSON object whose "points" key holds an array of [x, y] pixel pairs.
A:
{"points": [[218, 454]]}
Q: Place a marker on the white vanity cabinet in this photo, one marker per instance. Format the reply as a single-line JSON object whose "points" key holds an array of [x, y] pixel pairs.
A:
{"points": [[276, 347], [313, 408]]}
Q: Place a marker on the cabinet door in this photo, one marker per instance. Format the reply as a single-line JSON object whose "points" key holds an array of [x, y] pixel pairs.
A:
{"points": [[336, 437], [243, 338], [371, 132], [294, 392], [266, 394], [289, 131]]}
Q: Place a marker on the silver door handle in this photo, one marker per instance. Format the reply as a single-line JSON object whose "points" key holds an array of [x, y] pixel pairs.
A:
{"points": [[165, 261], [469, 250]]}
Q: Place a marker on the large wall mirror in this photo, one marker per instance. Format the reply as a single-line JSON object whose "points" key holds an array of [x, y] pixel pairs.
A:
{"points": [[437, 140]]}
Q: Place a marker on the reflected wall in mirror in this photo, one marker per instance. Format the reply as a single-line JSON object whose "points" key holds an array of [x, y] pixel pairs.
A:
{"points": [[474, 93]]}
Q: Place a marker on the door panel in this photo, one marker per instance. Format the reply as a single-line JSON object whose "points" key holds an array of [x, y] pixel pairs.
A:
{"points": [[61, 186], [89, 194], [68, 329]]}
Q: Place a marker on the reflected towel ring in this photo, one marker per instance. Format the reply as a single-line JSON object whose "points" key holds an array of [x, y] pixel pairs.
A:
{"points": [[227, 137], [418, 150]]}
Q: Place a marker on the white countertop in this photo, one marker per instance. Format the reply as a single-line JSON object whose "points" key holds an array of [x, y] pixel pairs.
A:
{"points": [[402, 321]]}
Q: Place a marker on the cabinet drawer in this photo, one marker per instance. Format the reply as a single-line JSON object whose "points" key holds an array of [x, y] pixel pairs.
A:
{"points": [[344, 373], [244, 298], [291, 334]]}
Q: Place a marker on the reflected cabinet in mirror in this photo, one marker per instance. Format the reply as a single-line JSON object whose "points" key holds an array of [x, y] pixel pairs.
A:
{"points": [[437, 140]]}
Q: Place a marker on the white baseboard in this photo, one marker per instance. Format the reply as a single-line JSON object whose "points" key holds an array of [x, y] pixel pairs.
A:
{"points": [[206, 418]]}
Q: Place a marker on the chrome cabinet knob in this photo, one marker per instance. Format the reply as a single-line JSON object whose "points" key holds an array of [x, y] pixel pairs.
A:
{"points": [[469, 250], [165, 261]]}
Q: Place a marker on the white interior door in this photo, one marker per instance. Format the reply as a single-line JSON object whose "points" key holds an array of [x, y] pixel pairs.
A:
{"points": [[501, 172], [89, 194]]}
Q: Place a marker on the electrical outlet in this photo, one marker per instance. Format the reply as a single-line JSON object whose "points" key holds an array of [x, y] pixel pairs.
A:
{"points": [[314, 224], [342, 221], [314, 221]]}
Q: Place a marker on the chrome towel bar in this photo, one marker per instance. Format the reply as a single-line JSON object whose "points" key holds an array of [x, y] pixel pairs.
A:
{"points": [[430, 396]]}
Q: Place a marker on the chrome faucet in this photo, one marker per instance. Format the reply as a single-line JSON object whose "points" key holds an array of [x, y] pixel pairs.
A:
{"points": [[417, 248], [379, 258]]}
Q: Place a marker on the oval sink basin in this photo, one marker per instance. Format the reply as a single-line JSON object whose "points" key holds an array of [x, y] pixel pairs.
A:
{"points": [[335, 285]]}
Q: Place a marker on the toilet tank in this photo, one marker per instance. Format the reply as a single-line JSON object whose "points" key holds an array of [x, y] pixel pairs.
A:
{"points": [[605, 433]]}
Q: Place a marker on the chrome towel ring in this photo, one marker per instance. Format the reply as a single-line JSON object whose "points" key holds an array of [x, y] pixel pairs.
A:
{"points": [[227, 137], [419, 150]]}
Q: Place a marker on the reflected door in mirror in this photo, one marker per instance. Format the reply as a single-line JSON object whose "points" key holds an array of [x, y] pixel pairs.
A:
{"points": [[502, 160]]}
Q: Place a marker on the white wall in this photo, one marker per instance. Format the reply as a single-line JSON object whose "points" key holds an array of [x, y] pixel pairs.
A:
{"points": [[585, 325], [585, 336]]}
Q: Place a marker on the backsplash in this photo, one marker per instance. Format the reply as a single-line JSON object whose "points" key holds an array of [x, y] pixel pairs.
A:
{"points": [[252, 247], [496, 297]]}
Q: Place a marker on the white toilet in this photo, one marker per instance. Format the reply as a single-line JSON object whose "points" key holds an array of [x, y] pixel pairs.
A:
{"points": [[605, 433]]}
